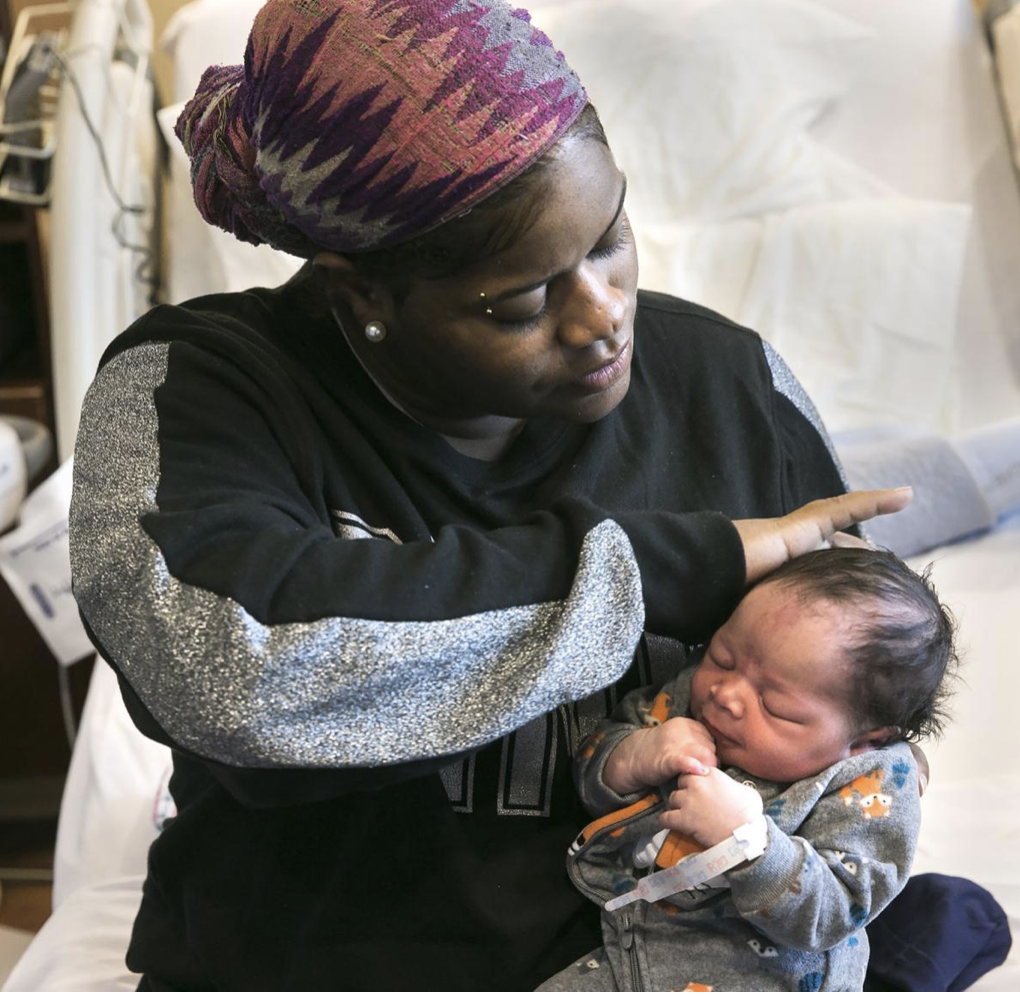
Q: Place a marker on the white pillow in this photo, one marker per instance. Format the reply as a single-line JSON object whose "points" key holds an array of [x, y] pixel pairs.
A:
{"points": [[711, 264], [859, 296], [707, 102]]}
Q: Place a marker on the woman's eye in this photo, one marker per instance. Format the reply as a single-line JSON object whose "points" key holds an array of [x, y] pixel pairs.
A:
{"points": [[623, 237], [521, 324]]}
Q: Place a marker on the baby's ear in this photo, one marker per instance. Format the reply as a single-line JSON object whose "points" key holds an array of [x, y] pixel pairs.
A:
{"points": [[873, 739]]}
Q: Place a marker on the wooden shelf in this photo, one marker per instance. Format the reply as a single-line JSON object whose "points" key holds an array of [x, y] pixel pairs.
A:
{"points": [[12, 231], [12, 224]]}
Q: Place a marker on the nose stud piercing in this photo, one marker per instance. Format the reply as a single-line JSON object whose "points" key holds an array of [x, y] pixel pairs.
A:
{"points": [[375, 331]]}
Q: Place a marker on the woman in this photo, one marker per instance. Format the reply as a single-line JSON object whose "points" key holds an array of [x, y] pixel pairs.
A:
{"points": [[371, 738]]}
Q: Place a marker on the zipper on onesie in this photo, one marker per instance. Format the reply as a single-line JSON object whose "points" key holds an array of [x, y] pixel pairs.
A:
{"points": [[627, 943]]}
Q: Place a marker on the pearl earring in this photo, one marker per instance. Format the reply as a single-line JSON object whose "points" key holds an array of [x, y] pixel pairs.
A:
{"points": [[375, 331]]}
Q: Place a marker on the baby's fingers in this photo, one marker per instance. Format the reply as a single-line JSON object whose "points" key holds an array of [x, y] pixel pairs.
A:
{"points": [[689, 764], [674, 819], [691, 759]]}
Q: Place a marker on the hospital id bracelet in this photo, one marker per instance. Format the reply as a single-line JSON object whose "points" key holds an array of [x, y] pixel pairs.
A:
{"points": [[746, 842]]}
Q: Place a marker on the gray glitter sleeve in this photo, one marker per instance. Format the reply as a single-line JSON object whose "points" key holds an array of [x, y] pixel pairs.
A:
{"points": [[327, 693], [790, 388]]}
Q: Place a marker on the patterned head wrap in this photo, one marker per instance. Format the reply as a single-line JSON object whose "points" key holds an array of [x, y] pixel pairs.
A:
{"points": [[359, 124]]}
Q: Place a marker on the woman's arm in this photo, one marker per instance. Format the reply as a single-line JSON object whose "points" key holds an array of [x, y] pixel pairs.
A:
{"points": [[255, 637]]}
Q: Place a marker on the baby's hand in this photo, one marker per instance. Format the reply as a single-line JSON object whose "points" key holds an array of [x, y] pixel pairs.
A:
{"points": [[652, 756], [710, 807]]}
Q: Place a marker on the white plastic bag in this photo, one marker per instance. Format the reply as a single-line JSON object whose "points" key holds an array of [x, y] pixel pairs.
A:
{"points": [[35, 561]]}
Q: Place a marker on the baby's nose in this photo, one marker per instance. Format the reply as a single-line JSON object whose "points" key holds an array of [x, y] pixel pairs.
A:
{"points": [[728, 697]]}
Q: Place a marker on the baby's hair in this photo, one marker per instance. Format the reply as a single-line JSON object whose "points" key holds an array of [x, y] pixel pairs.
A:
{"points": [[903, 652]]}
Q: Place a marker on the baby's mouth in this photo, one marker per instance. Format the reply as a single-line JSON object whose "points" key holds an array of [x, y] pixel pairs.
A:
{"points": [[720, 738]]}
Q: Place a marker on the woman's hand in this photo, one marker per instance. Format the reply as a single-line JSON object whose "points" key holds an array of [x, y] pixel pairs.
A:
{"points": [[923, 770], [769, 543], [654, 755], [710, 807]]}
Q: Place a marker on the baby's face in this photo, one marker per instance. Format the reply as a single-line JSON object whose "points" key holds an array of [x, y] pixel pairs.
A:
{"points": [[772, 688]]}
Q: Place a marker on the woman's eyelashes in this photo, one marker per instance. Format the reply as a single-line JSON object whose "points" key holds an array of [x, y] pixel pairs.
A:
{"points": [[522, 324], [526, 324], [623, 237]]}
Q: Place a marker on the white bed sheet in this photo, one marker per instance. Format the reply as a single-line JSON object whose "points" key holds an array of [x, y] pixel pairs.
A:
{"points": [[922, 121], [923, 117], [106, 827], [905, 104], [107, 811], [971, 811]]}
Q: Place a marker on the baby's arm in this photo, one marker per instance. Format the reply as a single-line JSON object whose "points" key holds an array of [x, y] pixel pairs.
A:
{"points": [[645, 743], [850, 856], [710, 806]]}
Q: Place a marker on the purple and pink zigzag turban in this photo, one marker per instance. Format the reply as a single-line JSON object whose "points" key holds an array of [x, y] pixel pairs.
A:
{"points": [[359, 124]]}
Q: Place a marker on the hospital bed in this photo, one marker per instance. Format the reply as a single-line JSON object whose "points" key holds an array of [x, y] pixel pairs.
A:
{"points": [[837, 174]]}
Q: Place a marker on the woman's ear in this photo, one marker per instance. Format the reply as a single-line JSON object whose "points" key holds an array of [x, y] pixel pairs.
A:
{"points": [[882, 736], [359, 299]]}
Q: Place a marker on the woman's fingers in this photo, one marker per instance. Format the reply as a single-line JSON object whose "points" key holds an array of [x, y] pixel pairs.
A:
{"points": [[923, 770], [833, 514], [768, 543]]}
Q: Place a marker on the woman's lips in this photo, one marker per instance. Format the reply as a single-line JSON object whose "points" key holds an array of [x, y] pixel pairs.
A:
{"points": [[605, 376]]}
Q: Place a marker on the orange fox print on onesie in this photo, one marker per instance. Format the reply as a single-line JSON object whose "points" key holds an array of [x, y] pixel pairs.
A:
{"points": [[868, 789]]}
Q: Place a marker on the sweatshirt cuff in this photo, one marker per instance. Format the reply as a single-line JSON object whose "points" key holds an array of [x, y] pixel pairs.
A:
{"points": [[764, 881], [693, 570]]}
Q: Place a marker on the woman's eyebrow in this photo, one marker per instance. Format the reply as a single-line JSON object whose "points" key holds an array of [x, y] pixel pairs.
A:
{"points": [[527, 288]]}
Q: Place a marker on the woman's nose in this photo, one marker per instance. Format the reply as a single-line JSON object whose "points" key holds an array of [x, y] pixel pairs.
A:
{"points": [[594, 309]]}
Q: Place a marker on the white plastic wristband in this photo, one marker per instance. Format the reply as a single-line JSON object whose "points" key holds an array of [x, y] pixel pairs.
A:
{"points": [[747, 842]]}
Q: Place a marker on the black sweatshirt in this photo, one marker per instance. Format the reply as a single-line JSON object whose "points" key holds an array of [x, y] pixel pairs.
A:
{"points": [[373, 656]]}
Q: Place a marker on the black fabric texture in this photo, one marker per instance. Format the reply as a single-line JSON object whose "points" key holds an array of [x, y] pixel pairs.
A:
{"points": [[940, 934], [369, 879]]}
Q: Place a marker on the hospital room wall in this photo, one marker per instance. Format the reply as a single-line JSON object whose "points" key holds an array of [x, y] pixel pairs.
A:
{"points": [[162, 11]]}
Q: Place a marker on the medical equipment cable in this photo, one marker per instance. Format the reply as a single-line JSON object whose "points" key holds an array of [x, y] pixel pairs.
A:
{"points": [[145, 271], [66, 705]]}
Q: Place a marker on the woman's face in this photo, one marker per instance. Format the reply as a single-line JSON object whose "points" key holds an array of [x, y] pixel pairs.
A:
{"points": [[559, 337]]}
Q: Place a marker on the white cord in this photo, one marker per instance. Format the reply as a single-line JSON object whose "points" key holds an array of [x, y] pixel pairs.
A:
{"points": [[145, 272]]}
